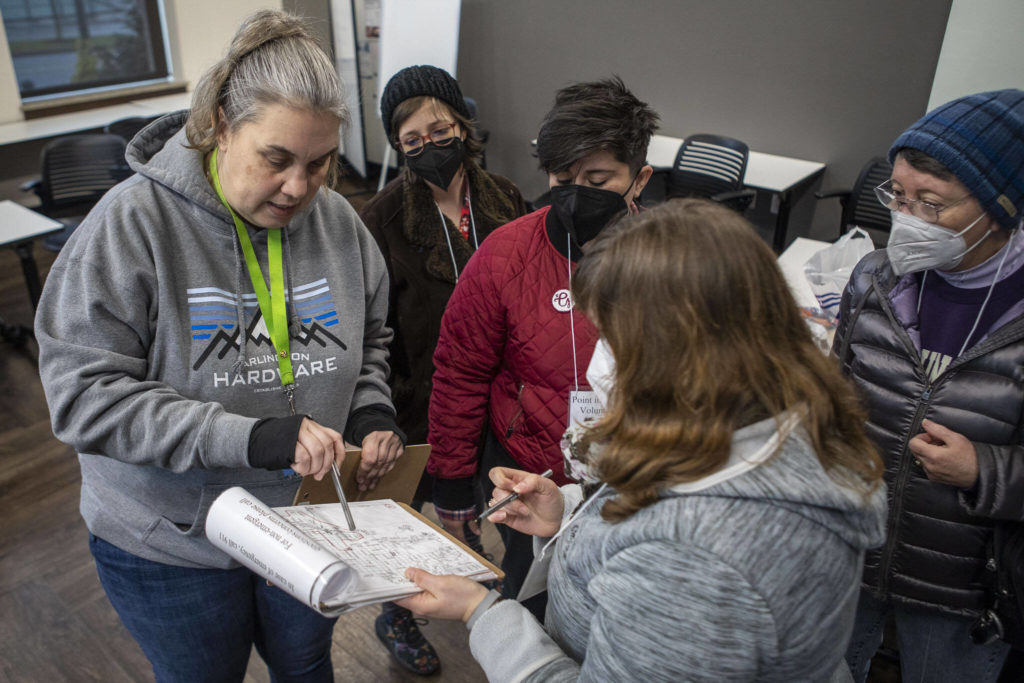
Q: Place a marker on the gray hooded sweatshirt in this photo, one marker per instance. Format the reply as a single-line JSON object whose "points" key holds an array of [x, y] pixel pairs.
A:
{"points": [[751, 574], [139, 354]]}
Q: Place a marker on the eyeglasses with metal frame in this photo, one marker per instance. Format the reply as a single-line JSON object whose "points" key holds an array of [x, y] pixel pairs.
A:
{"points": [[888, 198]]}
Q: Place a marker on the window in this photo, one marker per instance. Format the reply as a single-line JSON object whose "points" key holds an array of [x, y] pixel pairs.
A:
{"points": [[64, 47]]}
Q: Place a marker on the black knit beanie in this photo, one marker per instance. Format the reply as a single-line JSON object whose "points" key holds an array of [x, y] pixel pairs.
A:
{"points": [[414, 81]]}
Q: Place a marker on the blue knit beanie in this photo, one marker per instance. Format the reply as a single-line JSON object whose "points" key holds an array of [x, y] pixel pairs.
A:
{"points": [[980, 139]]}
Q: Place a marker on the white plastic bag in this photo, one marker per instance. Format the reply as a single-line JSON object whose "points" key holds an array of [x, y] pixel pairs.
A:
{"points": [[829, 270]]}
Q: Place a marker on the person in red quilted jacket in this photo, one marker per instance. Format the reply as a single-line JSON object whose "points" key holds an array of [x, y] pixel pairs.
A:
{"points": [[512, 352]]}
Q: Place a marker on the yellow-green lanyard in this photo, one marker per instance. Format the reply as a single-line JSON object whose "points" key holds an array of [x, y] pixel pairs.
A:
{"points": [[271, 303]]}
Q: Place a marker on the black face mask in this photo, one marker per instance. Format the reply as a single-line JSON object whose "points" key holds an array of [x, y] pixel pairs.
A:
{"points": [[585, 211], [437, 165]]}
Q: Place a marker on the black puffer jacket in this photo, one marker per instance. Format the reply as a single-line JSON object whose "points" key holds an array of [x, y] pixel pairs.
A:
{"points": [[936, 534]]}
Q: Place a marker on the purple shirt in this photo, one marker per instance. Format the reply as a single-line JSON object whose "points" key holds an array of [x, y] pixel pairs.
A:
{"points": [[948, 313]]}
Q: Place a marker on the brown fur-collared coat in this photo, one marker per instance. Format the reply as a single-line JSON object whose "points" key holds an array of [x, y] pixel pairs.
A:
{"points": [[404, 220]]}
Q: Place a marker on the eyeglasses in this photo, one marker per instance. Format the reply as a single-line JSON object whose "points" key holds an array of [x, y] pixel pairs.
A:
{"points": [[923, 210], [442, 136]]}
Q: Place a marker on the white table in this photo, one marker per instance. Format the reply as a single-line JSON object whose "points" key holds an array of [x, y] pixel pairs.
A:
{"points": [[792, 263], [764, 171], [87, 119], [771, 172], [164, 104], [18, 227]]}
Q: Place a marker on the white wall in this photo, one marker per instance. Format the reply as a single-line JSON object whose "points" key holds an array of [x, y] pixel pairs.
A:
{"points": [[199, 32], [982, 50], [204, 28]]}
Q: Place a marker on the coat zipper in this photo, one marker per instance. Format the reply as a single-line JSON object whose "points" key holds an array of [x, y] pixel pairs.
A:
{"points": [[905, 462], [519, 401], [897, 497]]}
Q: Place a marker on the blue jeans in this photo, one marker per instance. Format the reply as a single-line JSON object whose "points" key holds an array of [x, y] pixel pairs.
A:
{"points": [[201, 624], [933, 646]]}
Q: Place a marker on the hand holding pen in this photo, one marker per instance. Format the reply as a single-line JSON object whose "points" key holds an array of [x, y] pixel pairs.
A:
{"points": [[527, 502]]}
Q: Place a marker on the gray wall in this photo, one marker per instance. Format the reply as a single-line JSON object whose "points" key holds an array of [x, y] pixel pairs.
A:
{"points": [[318, 12], [826, 80]]}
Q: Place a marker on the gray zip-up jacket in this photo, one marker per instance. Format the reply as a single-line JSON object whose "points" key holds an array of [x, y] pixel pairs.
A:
{"points": [[139, 352], [751, 574]]}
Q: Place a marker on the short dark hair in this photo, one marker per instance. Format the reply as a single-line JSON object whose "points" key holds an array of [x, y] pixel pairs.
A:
{"points": [[924, 163], [592, 117]]}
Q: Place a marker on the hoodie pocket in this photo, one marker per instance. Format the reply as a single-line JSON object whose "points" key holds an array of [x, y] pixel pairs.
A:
{"points": [[188, 541]]}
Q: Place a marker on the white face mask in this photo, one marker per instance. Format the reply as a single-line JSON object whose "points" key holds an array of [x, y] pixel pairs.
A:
{"points": [[916, 245], [601, 371]]}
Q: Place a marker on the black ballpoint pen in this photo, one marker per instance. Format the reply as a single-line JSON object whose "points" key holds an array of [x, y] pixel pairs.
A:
{"points": [[504, 501]]}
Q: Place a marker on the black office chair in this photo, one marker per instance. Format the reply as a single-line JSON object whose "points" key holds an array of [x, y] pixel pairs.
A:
{"points": [[860, 206], [712, 167], [482, 134], [77, 170], [128, 126]]}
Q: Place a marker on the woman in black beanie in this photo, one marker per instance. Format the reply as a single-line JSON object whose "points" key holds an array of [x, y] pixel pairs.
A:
{"points": [[428, 222]]}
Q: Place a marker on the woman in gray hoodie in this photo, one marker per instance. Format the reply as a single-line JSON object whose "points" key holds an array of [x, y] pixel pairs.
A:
{"points": [[197, 317], [729, 490]]}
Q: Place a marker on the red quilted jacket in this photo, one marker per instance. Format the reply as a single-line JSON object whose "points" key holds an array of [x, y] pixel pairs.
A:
{"points": [[506, 354]]}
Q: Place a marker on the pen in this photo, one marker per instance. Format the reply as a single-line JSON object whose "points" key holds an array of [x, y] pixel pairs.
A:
{"points": [[341, 497], [504, 501]]}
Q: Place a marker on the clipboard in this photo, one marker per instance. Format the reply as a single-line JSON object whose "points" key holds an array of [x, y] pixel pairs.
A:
{"points": [[476, 556], [399, 484]]}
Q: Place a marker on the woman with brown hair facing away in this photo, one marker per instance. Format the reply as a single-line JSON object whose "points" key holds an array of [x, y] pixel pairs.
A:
{"points": [[427, 223], [733, 494]]}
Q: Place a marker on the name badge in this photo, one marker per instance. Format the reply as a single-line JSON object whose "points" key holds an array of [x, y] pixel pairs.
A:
{"points": [[584, 408]]}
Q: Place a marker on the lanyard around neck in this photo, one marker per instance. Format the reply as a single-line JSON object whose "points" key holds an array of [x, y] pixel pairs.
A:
{"points": [[271, 302], [448, 238], [572, 326]]}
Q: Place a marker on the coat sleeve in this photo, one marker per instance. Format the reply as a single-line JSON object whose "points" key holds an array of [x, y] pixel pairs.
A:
{"points": [[842, 330], [999, 492], [467, 358], [853, 295], [94, 329], [660, 616]]}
